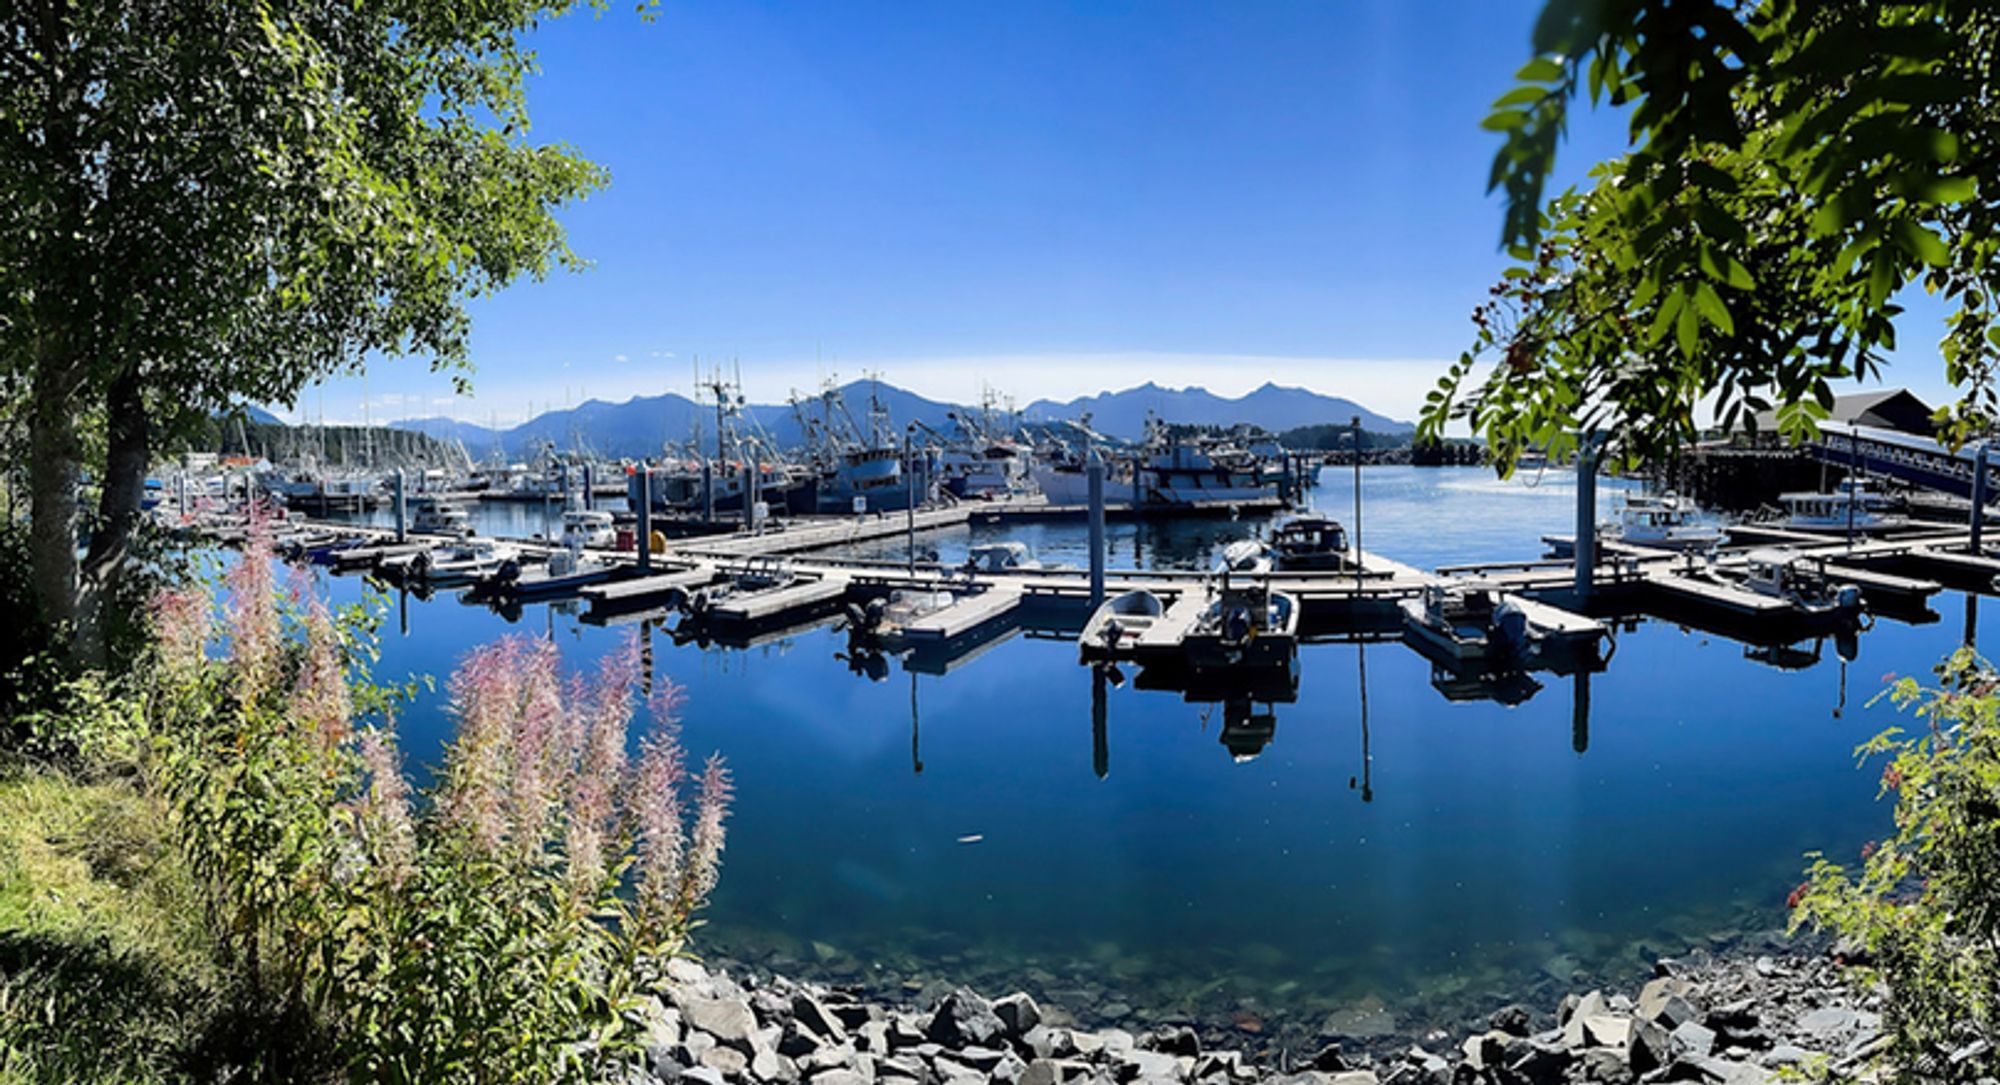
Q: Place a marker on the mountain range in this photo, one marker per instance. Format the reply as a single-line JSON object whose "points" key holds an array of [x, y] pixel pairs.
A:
{"points": [[641, 425]]}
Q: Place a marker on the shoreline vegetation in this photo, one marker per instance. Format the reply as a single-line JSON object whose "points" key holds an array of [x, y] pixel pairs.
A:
{"points": [[215, 870]]}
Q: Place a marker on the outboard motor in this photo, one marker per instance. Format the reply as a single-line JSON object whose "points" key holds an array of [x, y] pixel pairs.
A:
{"points": [[1848, 597], [508, 572], [1510, 625], [1847, 644], [1236, 624]]}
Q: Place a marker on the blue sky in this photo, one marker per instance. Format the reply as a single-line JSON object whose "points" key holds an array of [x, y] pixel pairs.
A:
{"points": [[1050, 199]]}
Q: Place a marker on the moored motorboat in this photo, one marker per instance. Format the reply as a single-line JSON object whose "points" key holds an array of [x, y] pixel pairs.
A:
{"points": [[1311, 542], [1113, 631]]}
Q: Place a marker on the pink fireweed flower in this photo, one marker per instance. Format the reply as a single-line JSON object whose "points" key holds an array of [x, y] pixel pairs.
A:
{"points": [[183, 620], [252, 612], [704, 863], [655, 810], [321, 699], [606, 710], [539, 745], [486, 694], [384, 810]]}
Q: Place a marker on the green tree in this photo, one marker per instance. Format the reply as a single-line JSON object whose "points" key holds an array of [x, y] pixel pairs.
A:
{"points": [[210, 200], [1792, 165]]}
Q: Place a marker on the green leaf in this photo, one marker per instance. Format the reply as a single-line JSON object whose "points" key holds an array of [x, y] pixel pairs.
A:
{"points": [[1712, 308], [1521, 96], [1687, 332], [1540, 70], [1504, 120], [1921, 243]]}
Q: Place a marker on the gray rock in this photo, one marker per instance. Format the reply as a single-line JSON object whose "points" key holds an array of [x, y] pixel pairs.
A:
{"points": [[1647, 1046], [1603, 1066], [1048, 1043], [1655, 996], [693, 1046], [702, 1075], [1018, 1013], [726, 1061], [963, 1019], [768, 1065], [812, 1015], [1220, 1064], [727, 1019], [1692, 1039], [1368, 1020], [1574, 1014], [1353, 1077], [1150, 1064], [838, 1076], [1487, 1051], [899, 1066], [1829, 1023], [1117, 1041], [1708, 1068], [1329, 1058], [1542, 1062], [1174, 1041], [1515, 1020], [828, 1058], [981, 1059], [1054, 1072], [683, 971]]}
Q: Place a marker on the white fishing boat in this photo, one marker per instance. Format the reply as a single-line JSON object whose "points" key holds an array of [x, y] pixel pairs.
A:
{"points": [[1311, 543], [435, 516], [1851, 506], [589, 529], [1662, 522]]}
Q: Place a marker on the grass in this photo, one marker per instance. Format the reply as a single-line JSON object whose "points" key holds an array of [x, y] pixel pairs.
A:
{"points": [[105, 974]]}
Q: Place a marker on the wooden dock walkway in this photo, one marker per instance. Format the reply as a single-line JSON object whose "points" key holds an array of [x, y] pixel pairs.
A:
{"points": [[966, 616]]}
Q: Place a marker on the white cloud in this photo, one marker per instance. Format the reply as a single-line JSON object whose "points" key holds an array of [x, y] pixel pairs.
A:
{"points": [[620, 358]]}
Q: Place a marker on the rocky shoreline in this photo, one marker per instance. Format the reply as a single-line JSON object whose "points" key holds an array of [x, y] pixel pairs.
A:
{"points": [[1729, 1020]]}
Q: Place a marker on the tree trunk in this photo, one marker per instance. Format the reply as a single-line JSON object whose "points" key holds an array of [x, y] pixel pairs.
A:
{"points": [[127, 453], [53, 455]]}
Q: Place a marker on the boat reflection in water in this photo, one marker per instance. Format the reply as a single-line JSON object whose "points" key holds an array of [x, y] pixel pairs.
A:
{"points": [[1247, 697]]}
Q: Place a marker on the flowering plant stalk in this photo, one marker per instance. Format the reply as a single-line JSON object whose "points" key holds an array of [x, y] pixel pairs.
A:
{"points": [[495, 929]]}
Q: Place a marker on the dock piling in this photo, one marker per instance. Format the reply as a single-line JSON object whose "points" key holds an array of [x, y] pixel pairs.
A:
{"points": [[402, 508], [1094, 477], [1357, 502], [1978, 500], [909, 502], [589, 486], [645, 494], [1586, 520]]}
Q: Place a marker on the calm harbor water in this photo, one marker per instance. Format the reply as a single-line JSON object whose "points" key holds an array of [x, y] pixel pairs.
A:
{"points": [[1449, 857]]}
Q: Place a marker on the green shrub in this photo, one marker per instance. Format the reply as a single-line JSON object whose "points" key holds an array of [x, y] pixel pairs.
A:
{"points": [[1922, 911]]}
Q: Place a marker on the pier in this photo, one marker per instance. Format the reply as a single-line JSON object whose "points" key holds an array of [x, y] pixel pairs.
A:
{"points": [[753, 586]]}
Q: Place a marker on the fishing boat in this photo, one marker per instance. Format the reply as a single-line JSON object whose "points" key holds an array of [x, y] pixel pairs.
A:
{"points": [[588, 529], [1663, 522], [1311, 543], [1190, 470], [1852, 506], [435, 516]]}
